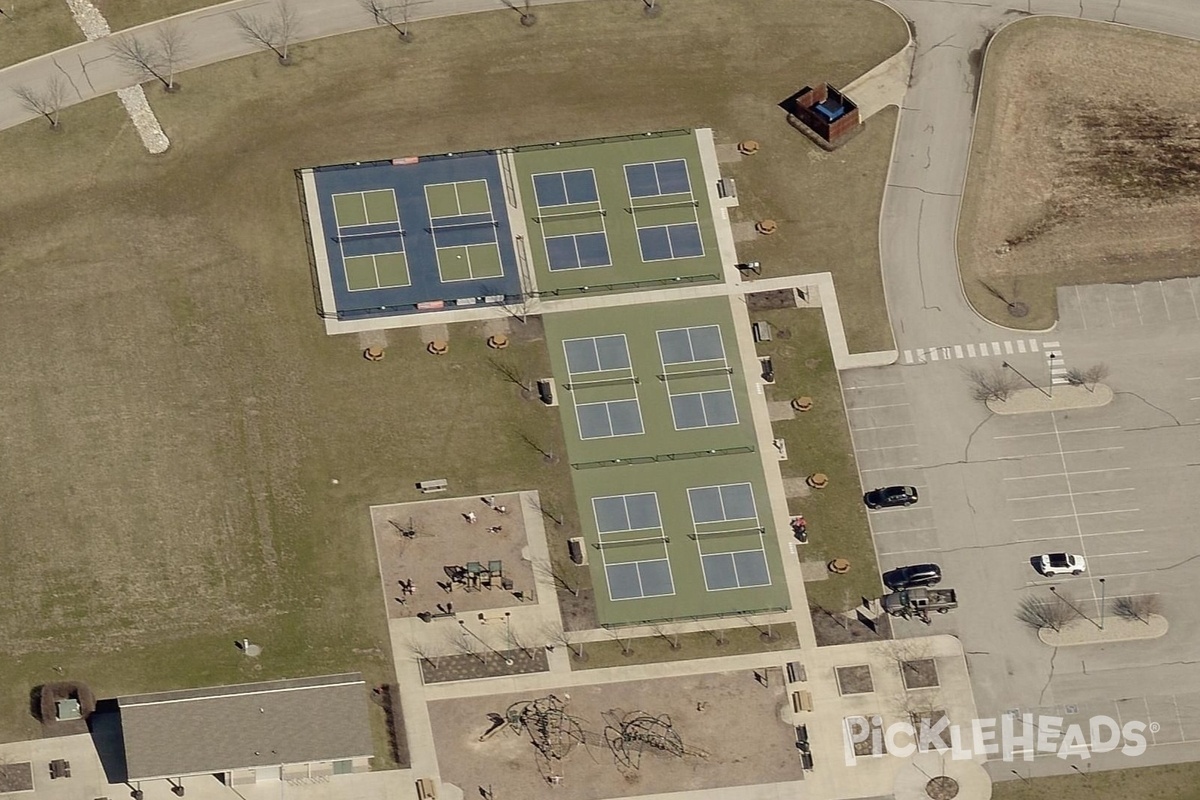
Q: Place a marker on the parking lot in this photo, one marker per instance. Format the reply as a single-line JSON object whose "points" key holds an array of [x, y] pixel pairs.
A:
{"points": [[1113, 484]]}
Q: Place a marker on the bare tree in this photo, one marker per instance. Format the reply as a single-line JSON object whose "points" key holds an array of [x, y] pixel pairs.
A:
{"points": [[994, 384], [1038, 613], [423, 652], [546, 569], [1140, 607], [275, 32], [651, 8], [626, 645], [1087, 378], [660, 632], [462, 643], [153, 60], [513, 375], [396, 16], [559, 635], [516, 640], [46, 100]]}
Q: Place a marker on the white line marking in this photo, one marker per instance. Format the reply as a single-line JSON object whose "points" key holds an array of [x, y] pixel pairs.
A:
{"points": [[933, 354], [1090, 450], [905, 530], [908, 357], [1008, 348], [885, 447], [1114, 533], [1112, 555], [1020, 345], [1166, 305], [906, 552], [958, 351], [868, 408], [1078, 514], [995, 348], [1024, 435], [884, 427], [1047, 496], [971, 350], [1033, 345], [874, 385]]}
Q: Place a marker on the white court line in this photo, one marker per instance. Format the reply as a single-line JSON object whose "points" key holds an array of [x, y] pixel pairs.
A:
{"points": [[1112, 555], [868, 408], [1079, 514], [885, 427], [875, 385]]}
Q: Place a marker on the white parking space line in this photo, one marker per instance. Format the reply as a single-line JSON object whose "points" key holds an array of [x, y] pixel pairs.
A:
{"points": [[1079, 514], [1114, 533], [885, 447], [1051, 433], [884, 427], [874, 386], [1077, 494], [1089, 450], [869, 408], [1114, 555], [906, 552], [905, 530]]}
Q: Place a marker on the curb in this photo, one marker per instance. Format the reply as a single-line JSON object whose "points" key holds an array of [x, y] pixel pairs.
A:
{"points": [[1122, 631], [1063, 398]]}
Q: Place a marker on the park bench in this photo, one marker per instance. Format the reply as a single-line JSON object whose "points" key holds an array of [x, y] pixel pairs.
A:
{"points": [[439, 485]]}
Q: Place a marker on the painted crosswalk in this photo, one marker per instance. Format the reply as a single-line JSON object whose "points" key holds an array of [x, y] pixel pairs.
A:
{"points": [[1054, 360], [949, 352]]}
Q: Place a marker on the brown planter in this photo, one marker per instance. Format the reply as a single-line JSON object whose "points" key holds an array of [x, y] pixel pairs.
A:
{"points": [[839, 566], [818, 480], [748, 147], [373, 354], [438, 347], [497, 341], [766, 226], [802, 403]]}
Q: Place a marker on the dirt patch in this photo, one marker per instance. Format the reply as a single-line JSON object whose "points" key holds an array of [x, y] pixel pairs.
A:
{"points": [[716, 730], [1083, 169], [833, 628], [16, 777], [855, 680], [920, 673]]}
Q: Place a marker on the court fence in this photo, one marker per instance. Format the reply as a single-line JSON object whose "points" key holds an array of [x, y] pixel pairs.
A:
{"points": [[663, 457], [567, 291], [700, 617]]}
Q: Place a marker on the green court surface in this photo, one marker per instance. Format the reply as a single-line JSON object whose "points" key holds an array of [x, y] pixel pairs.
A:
{"points": [[469, 262], [625, 268], [457, 199], [676, 519], [365, 208], [377, 271]]}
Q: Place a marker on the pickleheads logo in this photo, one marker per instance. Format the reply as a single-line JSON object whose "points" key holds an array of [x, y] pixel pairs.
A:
{"points": [[1010, 737]]}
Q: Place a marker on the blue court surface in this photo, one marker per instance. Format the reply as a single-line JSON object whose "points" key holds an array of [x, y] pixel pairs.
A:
{"points": [[415, 234]]}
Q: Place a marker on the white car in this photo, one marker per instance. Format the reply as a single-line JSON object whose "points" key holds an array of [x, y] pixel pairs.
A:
{"points": [[1053, 564]]}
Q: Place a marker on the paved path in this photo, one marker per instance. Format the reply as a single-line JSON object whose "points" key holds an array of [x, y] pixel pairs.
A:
{"points": [[928, 171], [212, 36]]}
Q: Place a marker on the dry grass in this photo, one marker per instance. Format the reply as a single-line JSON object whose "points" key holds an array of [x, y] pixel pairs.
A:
{"points": [[123, 14], [1083, 170], [175, 413], [683, 647], [819, 441], [1167, 782], [33, 27]]}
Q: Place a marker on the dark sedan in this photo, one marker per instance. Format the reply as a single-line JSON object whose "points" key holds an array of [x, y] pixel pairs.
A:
{"points": [[912, 576], [891, 496]]}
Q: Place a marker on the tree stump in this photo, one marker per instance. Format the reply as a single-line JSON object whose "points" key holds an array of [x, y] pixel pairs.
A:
{"points": [[747, 147], [804, 403], [373, 354], [766, 226], [839, 566], [818, 480], [438, 347], [497, 341]]}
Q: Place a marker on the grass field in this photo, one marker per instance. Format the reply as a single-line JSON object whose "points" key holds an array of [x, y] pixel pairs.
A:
{"points": [[819, 441], [122, 14], [1166, 782], [35, 27], [175, 413], [1064, 186]]}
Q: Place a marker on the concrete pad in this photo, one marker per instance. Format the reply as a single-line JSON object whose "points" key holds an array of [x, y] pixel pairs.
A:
{"points": [[883, 86], [780, 409], [437, 330], [1063, 398], [744, 231], [814, 571], [1115, 630], [371, 339], [796, 487], [492, 327], [728, 153]]}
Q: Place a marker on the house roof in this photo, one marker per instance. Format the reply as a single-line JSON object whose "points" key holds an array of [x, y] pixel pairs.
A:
{"points": [[198, 731]]}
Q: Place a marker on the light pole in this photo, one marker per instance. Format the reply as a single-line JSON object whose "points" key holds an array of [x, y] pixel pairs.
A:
{"points": [[1102, 604], [1075, 608], [1007, 365], [508, 662]]}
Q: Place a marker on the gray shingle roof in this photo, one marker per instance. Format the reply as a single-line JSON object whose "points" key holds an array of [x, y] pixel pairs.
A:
{"points": [[197, 731]]}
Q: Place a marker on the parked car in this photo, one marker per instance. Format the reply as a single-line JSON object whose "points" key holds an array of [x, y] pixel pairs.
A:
{"points": [[918, 603], [1053, 564], [912, 576], [890, 496]]}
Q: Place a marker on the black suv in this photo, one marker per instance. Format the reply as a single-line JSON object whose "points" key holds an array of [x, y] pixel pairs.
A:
{"points": [[891, 496], [911, 576]]}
